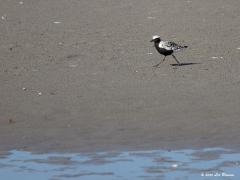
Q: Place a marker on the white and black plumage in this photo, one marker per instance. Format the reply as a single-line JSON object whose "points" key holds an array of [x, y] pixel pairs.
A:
{"points": [[166, 48]]}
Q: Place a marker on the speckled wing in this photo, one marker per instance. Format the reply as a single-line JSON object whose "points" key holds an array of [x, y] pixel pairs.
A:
{"points": [[170, 46]]}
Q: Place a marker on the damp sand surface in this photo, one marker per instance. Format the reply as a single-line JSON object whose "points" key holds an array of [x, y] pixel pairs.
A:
{"points": [[77, 75]]}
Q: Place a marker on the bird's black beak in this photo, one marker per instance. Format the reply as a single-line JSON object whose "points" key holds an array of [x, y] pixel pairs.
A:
{"points": [[152, 40]]}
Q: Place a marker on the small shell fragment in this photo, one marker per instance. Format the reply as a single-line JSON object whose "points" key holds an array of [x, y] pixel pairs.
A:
{"points": [[73, 65], [150, 17], [56, 22], [3, 17]]}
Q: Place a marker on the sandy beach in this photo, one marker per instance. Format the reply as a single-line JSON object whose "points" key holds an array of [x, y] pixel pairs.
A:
{"points": [[77, 75]]}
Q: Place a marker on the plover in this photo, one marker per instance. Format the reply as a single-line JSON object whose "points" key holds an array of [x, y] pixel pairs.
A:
{"points": [[166, 48]]}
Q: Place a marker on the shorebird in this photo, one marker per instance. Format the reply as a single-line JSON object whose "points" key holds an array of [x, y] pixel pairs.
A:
{"points": [[166, 48]]}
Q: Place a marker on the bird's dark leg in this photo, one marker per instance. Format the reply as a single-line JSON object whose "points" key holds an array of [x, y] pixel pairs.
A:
{"points": [[176, 59], [160, 62]]}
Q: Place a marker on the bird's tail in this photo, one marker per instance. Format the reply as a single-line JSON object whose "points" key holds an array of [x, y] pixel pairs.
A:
{"points": [[180, 48]]}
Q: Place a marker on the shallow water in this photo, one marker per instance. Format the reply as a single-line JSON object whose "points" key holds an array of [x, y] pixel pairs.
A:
{"points": [[149, 165]]}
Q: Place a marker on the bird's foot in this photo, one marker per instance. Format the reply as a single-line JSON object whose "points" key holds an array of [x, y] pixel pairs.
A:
{"points": [[156, 66]]}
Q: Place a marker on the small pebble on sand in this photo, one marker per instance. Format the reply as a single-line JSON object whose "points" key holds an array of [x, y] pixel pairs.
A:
{"points": [[11, 121], [215, 57], [73, 65], [150, 17], [56, 22], [3, 17]]}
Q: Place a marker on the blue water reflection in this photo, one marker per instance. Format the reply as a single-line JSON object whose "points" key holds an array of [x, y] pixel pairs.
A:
{"points": [[150, 165]]}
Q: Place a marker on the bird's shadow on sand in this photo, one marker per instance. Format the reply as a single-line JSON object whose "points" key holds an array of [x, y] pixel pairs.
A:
{"points": [[184, 64]]}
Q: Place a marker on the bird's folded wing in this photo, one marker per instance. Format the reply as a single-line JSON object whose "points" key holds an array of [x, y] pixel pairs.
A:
{"points": [[169, 45]]}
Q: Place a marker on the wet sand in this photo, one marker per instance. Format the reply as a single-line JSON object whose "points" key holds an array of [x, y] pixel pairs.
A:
{"points": [[77, 75]]}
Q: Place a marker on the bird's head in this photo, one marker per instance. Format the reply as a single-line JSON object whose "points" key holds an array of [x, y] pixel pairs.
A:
{"points": [[156, 38]]}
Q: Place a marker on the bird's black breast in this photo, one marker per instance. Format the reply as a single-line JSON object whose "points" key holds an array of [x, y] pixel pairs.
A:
{"points": [[163, 51]]}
